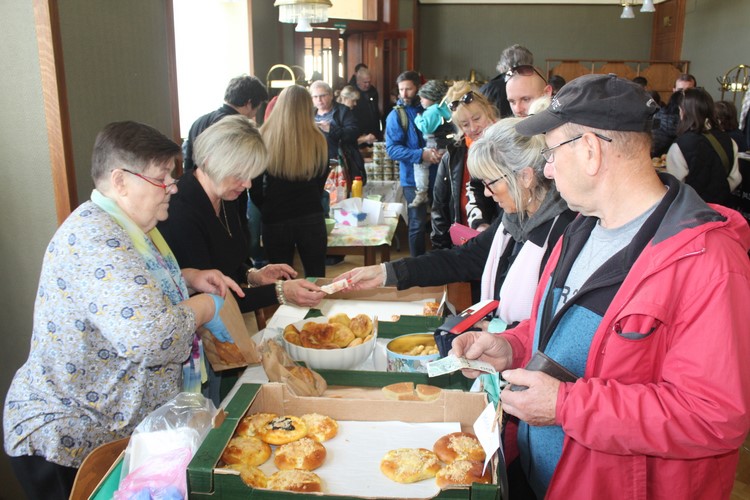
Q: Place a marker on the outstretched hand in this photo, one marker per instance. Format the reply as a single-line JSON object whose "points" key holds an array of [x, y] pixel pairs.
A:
{"points": [[211, 281], [303, 293], [270, 274], [483, 346], [363, 278]]}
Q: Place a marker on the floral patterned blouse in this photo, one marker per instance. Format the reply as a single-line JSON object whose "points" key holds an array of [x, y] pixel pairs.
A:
{"points": [[107, 345]]}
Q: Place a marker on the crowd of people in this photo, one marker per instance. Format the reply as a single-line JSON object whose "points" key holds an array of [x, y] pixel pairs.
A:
{"points": [[632, 279]]}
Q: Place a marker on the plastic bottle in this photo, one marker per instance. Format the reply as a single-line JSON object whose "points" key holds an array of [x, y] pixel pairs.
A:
{"points": [[357, 187]]}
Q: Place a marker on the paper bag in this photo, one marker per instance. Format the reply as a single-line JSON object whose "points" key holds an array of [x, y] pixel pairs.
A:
{"points": [[226, 355], [279, 367]]}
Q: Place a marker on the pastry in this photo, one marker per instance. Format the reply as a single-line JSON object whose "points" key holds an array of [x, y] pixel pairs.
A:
{"points": [[399, 391], [251, 424], [291, 335], [342, 335], [427, 392], [430, 308], [301, 373], [463, 473], [361, 325], [250, 475], [409, 465], [317, 335], [282, 430], [342, 318], [459, 446], [295, 480], [247, 450], [304, 454], [320, 427]]}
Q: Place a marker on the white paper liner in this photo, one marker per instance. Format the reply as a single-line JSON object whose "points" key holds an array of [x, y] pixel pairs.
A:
{"points": [[352, 465]]}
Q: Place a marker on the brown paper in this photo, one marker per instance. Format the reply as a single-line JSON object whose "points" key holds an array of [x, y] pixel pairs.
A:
{"points": [[279, 367], [226, 355]]}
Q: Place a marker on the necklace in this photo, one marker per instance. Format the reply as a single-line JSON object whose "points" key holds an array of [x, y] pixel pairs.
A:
{"points": [[225, 223]]}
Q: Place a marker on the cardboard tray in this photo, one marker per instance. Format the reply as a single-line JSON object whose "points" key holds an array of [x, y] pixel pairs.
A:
{"points": [[341, 403]]}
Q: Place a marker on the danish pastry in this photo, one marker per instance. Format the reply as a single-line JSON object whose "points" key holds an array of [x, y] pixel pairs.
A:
{"points": [[342, 318], [295, 480], [291, 335], [342, 335], [250, 475], [247, 450], [317, 335], [251, 424], [459, 446], [320, 427], [361, 325], [462, 472], [409, 465], [304, 454], [282, 430]]}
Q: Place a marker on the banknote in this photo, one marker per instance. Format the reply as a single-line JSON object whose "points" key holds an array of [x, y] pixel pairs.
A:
{"points": [[336, 286], [452, 363]]}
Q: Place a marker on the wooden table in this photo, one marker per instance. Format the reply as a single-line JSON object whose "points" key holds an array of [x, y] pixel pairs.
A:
{"points": [[363, 240]]}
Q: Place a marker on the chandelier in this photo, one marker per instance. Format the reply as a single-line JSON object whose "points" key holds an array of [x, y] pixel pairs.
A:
{"points": [[303, 12]]}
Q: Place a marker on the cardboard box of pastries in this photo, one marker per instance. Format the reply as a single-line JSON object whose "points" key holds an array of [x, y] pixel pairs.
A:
{"points": [[208, 479]]}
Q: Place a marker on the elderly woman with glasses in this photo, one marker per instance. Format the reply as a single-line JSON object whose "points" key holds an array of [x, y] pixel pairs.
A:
{"points": [[114, 320], [205, 230], [457, 198]]}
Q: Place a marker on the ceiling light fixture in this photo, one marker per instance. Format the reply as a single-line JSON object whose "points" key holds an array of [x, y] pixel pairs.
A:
{"points": [[648, 6], [627, 11], [303, 12]]}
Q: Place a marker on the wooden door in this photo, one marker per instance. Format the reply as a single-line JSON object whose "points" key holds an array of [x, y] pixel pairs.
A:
{"points": [[396, 55], [666, 38], [320, 51]]}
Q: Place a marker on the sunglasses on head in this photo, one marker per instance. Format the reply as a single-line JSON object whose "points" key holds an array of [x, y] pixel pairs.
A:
{"points": [[523, 70], [464, 99]]}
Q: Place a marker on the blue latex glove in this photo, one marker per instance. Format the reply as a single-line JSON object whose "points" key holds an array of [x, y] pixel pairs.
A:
{"points": [[216, 325]]}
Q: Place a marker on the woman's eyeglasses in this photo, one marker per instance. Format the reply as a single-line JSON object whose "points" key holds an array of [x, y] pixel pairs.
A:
{"points": [[549, 153], [464, 99], [523, 70], [488, 185], [154, 182]]}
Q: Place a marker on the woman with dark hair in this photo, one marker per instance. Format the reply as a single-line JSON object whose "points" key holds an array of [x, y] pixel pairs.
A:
{"points": [[726, 115], [703, 156]]}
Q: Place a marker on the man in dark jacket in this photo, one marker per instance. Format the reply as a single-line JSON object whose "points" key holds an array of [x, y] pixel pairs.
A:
{"points": [[366, 111], [494, 90]]}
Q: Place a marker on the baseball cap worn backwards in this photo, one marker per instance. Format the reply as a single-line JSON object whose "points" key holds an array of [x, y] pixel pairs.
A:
{"points": [[600, 101]]}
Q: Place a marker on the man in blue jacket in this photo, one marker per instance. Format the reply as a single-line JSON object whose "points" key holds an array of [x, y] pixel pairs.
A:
{"points": [[405, 144]]}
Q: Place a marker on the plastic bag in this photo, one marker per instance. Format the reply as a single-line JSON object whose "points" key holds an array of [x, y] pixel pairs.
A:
{"points": [[161, 447], [336, 183]]}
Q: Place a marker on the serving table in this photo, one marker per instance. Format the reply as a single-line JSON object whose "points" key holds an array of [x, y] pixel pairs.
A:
{"points": [[363, 240]]}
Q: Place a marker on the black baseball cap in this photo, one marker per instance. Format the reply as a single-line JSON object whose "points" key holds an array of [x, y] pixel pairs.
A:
{"points": [[600, 101]]}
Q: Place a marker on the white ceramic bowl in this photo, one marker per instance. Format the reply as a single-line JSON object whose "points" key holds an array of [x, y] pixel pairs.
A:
{"points": [[330, 359]]}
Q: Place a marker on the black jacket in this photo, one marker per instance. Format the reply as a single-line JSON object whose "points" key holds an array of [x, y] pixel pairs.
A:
{"points": [[706, 173], [343, 136], [199, 126], [367, 113], [446, 198], [495, 92]]}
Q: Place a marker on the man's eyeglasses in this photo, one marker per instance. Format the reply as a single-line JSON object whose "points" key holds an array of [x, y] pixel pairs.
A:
{"points": [[154, 182], [464, 99], [488, 185], [549, 154], [523, 70]]}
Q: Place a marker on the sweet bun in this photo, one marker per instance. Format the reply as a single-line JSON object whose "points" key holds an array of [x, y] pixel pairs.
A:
{"points": [[291, 335], [427, 392], [462, 473], [409, 465], [282, 430], [250, 475], [341, 318], [251, 424], [317, 335], [342, 335], [459, 446], [399, 391], [430, 308], [304, 454], [247, 450], [361, 325], [320, 427], [302, 481]]}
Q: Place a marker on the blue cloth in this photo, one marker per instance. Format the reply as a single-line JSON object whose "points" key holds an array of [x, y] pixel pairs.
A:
{"points": [[216, 325]]}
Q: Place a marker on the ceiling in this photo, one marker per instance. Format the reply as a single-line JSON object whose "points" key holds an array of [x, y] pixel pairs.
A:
{"points": [[527, 2]]}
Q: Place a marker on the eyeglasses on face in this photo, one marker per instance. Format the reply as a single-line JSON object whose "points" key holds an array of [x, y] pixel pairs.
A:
{"points": [[488, 185], [523, 70], [464, 99], [154, 182], [549, 154]]}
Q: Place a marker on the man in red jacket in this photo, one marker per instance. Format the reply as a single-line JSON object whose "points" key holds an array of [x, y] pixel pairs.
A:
{"points": [[644, 302]]}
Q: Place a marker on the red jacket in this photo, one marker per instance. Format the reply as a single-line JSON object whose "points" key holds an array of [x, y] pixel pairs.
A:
{"points": [[663, 416]]}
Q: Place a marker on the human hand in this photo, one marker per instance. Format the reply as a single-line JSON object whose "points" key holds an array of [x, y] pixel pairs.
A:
{"points": [[325, 126], [363, 278], [211, 281], [303, 293], [482, 227], [215, 325], [270, 274], [370, 138], [483, 346], [535, 405], [430, 155]]}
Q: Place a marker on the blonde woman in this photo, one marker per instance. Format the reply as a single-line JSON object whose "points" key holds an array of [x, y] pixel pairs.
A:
{"points": [[456, 197], [290, 194], [348, 96]]}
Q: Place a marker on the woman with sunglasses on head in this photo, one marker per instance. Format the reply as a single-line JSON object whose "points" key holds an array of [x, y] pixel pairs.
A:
{"points": [[457, 198], [205, 230], [114, 320]]}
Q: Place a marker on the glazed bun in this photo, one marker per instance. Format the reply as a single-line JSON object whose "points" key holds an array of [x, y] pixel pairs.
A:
{"points": [[361, 326], [247, 450], [341, 318], [409, 465], [250, 425], [282, 430], [462, 473], [295, 480], [303, 454], [459, 446]]}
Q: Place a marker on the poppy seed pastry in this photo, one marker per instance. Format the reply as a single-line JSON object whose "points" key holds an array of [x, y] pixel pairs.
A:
{"points": [[250, 425], [282, 430]]}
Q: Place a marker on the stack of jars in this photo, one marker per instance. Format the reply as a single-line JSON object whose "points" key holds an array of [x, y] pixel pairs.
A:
{"points": [[382, 167]]}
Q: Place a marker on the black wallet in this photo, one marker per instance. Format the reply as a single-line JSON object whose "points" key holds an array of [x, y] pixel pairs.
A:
{"points": [[540, 362]]}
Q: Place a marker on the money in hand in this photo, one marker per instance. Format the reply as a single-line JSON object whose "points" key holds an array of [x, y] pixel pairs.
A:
{"points": [[450, 364]]}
